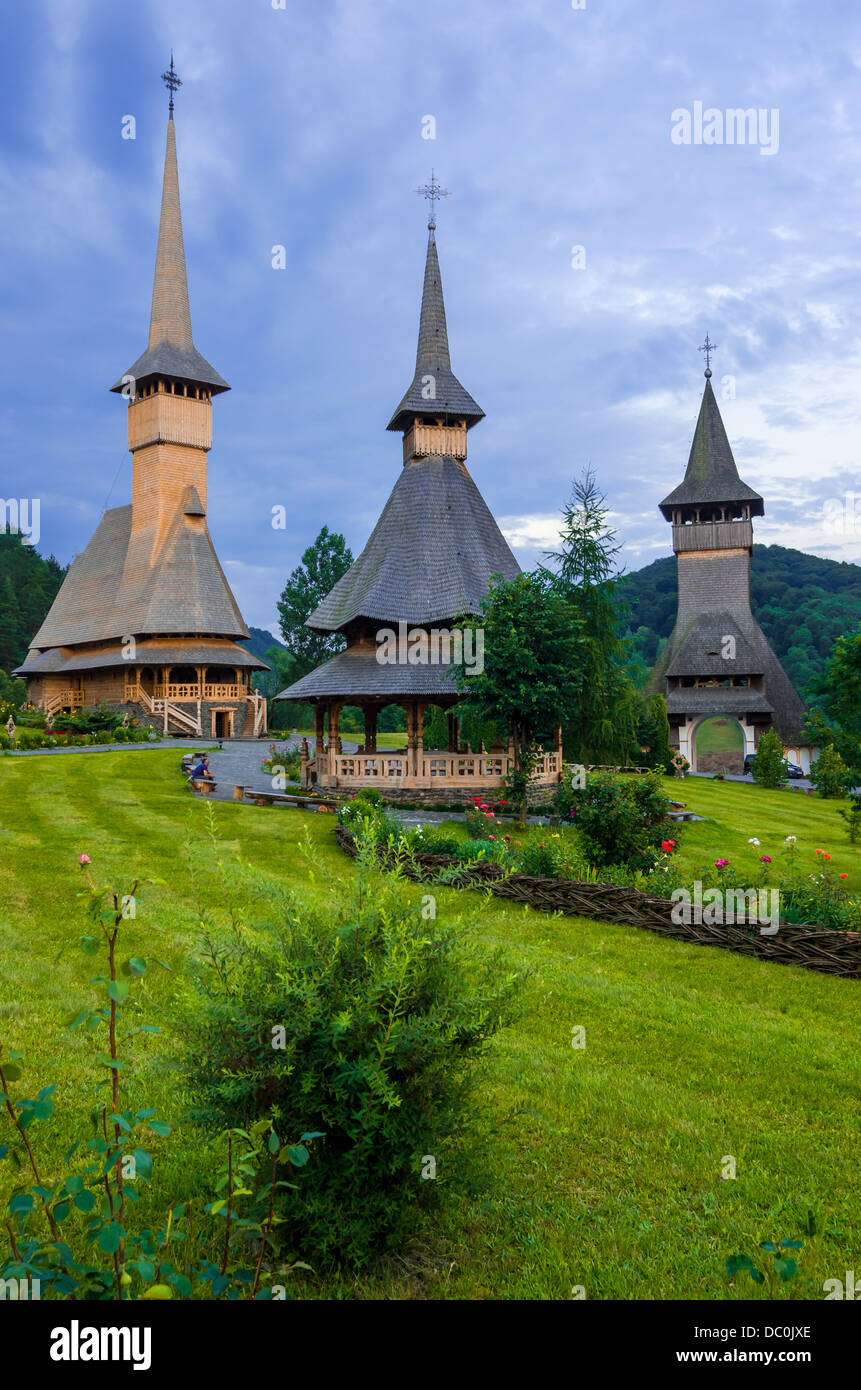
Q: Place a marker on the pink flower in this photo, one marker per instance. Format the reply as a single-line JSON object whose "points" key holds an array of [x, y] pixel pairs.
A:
{"points": [[493, 837], [765, 858], [85, 859], [721, 863]]}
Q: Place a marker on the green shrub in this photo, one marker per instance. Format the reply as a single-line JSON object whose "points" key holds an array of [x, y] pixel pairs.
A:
{"points": [[370, 795], [438, 841], [622, 820], [539, 857], [370, 821], [852, 817], [830, 775], [768, 769], [364, 1019]]}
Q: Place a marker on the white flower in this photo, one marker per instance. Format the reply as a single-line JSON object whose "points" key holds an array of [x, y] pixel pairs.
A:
{"points": [[754, 841], [790, 839]]}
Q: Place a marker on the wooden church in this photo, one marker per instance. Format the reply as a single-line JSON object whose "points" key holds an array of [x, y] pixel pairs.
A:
{"points": [[145, 620], [717, 661], [429, 559]]}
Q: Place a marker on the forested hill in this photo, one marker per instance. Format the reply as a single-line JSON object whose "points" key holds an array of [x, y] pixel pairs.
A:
{"points": [[802, 602], [28, 587], [260, 641]]}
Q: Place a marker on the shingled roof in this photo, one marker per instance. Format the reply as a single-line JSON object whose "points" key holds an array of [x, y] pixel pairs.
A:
{"points": [[113, 590], [433, 361], [170, 351], [429, 557], [693, 649], [64, 661], [711, 477], [356, 674]]}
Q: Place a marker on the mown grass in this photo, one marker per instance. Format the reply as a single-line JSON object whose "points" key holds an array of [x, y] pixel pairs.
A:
{"points": [[720, 736], [598, 1167]]}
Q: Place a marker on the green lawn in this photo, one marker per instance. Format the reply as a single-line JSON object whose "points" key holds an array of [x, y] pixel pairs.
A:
{"points": [[601, 1166], [720, 736], [384, 738]]}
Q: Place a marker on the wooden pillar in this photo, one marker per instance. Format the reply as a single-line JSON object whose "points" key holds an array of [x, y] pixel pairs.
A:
{"points": [[420, 737], [370, 712], [334, 732], [201, 672], [319, 726], [453, 723]]}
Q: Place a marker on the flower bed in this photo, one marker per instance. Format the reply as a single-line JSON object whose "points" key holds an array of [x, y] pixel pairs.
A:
{"points": [[815, 948]]}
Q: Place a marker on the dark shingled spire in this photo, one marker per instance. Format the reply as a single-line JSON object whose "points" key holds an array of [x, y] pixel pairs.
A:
{"points": [[171, 351], [433, 361], [712, 477]]}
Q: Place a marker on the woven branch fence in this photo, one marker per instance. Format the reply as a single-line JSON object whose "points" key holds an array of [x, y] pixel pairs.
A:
{"points": [[813, 947]]}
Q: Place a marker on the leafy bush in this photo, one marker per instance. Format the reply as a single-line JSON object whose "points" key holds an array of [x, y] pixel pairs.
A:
{"points": [[539, 859], [830, 775], [284, 756], [768, 766], [370, 795], [438, 841], [852, 817], [370, 821], [365, 1019], [622, 820], [481, 816]]}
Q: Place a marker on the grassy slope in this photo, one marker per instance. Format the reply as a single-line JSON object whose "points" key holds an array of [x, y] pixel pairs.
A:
{"points": [[719, 736], [602, 1166]]}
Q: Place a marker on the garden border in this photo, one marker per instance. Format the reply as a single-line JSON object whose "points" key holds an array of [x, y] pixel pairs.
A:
{"points": [[812, 947]]}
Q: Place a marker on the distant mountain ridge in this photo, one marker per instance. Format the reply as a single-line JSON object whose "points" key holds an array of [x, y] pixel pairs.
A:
{"points": [[802, 602], [261, 641]]}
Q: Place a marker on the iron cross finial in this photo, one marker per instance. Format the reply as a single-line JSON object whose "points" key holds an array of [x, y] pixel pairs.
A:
{"points": [[432, 191], [171, 81], [708, 348]]}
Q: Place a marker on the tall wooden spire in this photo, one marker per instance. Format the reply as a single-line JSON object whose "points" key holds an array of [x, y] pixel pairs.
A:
{"points": [[435, 391]]}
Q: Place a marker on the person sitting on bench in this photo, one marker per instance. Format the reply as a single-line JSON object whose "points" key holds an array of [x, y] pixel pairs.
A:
{"points": [[201, 771]]}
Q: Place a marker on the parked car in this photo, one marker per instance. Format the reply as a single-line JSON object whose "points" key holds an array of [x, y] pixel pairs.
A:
{"points": [[791, 769]]}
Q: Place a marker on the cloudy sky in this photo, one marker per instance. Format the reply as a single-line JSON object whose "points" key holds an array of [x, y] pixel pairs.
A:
{"points": [[586, 250]]}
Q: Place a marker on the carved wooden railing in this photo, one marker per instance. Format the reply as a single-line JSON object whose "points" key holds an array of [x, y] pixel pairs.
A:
{"points": [[430, 766], [73, 698], [199, 692]]}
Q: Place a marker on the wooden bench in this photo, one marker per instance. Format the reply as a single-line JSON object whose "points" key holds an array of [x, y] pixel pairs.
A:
{"points": [[262, 798], [204, 786]]}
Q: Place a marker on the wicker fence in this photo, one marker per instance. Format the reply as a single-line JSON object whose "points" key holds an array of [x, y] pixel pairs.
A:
{"points": [[814, 948]]}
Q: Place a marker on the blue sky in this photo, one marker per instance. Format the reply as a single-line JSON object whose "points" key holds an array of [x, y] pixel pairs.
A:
{"points": [[303, 126]]}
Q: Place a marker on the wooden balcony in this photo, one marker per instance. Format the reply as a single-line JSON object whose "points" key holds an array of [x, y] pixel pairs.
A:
{"points": [[192, 692]]}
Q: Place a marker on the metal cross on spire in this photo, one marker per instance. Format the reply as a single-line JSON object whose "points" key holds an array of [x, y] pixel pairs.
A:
{"points": [[708, 348], [432, 191], [171, 81]]}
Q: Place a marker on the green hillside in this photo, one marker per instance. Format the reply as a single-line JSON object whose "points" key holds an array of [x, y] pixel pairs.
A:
{"points": [[802, 602], [28, 587]]}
